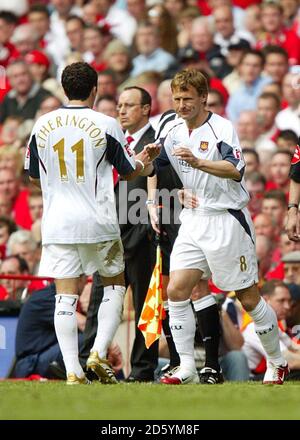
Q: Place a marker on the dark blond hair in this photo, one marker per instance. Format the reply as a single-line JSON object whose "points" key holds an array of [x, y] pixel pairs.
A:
{"points": [[190, 78]]}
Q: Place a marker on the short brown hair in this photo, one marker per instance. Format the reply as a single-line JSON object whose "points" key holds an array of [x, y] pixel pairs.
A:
{"points": [[190, 78], [268, 289], [276, 194], [270, 95]]}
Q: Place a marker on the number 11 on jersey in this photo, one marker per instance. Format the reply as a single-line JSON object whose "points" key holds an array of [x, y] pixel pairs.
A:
{"points": [[78, 149]]}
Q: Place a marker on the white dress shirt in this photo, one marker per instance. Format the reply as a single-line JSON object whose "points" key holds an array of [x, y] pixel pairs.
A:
{"points": [[137, 136]]}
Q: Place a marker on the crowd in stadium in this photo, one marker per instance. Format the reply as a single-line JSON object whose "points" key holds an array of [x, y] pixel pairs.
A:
{"points": [[249, 51]]}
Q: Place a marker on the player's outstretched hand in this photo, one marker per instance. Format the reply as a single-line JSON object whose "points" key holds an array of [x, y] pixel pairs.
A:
{"points": [[153, 150], [186, 155], [293, 225]]}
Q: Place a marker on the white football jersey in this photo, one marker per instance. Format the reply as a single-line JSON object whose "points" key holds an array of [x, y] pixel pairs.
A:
{"points": [[214, 140], [72, 150]]}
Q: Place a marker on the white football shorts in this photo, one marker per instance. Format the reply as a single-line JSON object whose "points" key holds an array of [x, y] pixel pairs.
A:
{"points": [[71, 260], [221, 244]]}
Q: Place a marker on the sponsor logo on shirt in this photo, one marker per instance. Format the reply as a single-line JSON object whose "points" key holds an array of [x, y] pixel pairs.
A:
{"points": [[237, 153], [296, 157], [27, 158], [203, 146], [185, 167]]}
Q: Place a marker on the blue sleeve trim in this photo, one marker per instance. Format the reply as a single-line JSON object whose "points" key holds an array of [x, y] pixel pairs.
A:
{"points": [[34, 169], [227, 154], [162, 161], [115, 155]]}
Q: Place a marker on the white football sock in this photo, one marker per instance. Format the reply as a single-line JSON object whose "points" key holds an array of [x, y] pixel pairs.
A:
{"points": [[266, 327], [109, 318], [183, 327], [65, 324]]}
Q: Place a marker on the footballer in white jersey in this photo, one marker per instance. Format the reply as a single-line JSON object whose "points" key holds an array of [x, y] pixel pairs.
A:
{"points": [[218, 236], [71, 151], [70, 155], [214, 140]]}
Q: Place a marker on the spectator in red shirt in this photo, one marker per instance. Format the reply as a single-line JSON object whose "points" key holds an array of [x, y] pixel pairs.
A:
{"points": [[94, 45], [274, 204], [246, 3], [286, 246], [35, 204], [10, 188], [265, 225], [279, 171], [206, 6], [36, 212], [13, 289], [275, 33], [8, 22], [39, 65], [7, 227], [287, 140]]}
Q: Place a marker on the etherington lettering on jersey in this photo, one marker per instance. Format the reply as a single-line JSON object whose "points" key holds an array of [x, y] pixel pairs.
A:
{"points": [[70, 121]]}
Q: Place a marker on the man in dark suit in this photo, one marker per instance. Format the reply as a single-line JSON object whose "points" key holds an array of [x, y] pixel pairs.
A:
{"points": [[134, 108]]}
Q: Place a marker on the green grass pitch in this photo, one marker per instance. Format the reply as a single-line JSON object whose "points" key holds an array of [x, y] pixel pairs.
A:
{"points": [[55, 400]]}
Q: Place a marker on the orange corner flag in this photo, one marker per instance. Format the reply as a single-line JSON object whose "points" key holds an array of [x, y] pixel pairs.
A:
{"points": [[150, 322]]}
